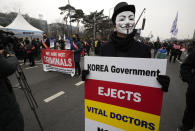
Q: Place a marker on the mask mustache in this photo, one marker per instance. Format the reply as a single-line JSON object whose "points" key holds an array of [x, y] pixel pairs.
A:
{"points": [[127, 26]]}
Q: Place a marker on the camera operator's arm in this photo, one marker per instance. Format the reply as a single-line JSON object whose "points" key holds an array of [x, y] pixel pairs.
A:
{"points": [[7, 65]]}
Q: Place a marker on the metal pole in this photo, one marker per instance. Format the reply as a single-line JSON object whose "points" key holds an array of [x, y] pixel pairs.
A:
{"points": [[70, 23], [110, 10], [28, 94], [140, 16], [110, 21]]}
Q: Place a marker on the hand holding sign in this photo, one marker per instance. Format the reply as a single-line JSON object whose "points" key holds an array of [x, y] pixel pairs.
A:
{"points": [[164, 80], [84, 74]]}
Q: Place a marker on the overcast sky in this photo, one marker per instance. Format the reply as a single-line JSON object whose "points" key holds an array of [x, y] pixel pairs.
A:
{"points": [[159, 13]]}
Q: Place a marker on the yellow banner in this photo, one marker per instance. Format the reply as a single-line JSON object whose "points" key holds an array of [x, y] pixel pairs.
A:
{"points": [[119, 117]]}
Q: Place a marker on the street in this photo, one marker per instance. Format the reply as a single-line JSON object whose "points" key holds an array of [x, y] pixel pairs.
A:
{"points": [[61, 100]]}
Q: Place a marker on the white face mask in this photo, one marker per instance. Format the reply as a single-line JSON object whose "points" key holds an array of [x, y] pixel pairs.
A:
{"points": [[125, 22]]}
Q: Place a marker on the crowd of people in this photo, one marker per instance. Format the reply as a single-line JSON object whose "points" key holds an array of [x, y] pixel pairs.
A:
{"points": [[171, 50], [26, 49], [30, 48]]}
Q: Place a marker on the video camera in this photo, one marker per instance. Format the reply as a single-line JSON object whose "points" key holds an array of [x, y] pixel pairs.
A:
{"points": [[7, 40]]}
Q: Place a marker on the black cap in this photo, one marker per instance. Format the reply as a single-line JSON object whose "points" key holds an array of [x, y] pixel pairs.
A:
{"points": [[120, 7]]}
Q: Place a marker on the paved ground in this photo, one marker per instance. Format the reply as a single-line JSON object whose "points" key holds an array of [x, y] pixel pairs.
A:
{"points": [[66, 112]]}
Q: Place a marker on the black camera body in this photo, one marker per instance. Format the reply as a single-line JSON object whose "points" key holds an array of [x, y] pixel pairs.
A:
{"points": [[7, 40]]}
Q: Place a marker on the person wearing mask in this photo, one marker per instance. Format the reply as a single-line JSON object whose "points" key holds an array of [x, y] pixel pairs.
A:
{"points": [[168, 47], [45, 42], [34, 43], [187, 73], [87, 46], [29, 48], [62, 44], [33, 52], [157, 46], [38, 43], [161, 53], [181, 50], [98, 44], [76, 47], [122, 42], [11, 118], [26, 46], [174, 51]]}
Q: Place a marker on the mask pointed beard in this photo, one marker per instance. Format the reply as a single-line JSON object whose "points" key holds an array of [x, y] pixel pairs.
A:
{"points": [[125, 22]]}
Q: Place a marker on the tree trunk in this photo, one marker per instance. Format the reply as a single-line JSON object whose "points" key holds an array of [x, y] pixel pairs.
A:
{"points": [[66, 28], [78, 26]]}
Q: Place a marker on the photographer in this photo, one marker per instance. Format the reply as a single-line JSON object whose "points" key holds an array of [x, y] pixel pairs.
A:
{"points": [[11, 118], [187, 72]]}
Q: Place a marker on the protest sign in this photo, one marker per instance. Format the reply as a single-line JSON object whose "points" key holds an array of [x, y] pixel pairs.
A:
{"points": [[68, 45], [58, 60], [123, 93], [52, 43]]}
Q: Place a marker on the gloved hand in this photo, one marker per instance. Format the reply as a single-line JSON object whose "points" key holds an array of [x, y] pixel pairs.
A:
{"points": [[164, 80], [84, 74], [187, 80]]}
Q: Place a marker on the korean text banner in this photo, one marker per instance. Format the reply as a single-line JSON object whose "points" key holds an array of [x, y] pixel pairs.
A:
{"points": [[123, 93], [58, 60]]}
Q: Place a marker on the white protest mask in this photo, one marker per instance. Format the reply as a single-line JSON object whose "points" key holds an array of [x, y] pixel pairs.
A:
{"points": [[125, 22]]}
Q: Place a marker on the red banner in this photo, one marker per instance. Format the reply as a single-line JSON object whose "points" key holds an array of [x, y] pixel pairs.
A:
{"points": [[58, 60], [136, 97]]}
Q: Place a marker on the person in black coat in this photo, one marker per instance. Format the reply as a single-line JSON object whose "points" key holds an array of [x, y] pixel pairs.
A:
{"points": [[187, 71], [125, 47], [97, 46], [76, 47], [46, 41], [122, 43], [11, 118], [87, 46], [174, 51], [157, 46]]}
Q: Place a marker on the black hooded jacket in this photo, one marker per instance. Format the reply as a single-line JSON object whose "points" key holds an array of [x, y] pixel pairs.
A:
{"points": [[10, 116], [187, 70], [125, 47]]}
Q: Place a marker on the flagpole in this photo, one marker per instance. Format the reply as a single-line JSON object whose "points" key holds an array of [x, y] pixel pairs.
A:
{"points": [[174, 28], [70, 23], [140, 16], [171, 37]]}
